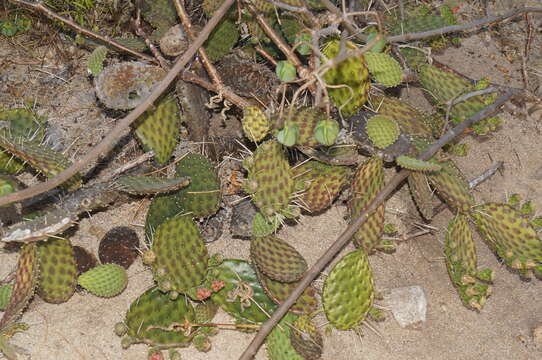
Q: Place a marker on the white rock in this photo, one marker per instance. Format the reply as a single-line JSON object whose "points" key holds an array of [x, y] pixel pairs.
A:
{"points": [[408, 305]]}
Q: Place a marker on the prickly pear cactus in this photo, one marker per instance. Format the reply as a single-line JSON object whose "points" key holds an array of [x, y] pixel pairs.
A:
{"points": [[162, 208], [181, 256], [242, 296], [150, 318], [256, 124], [58, 270], [263, 227], [95, 61], [158, 128], [270, 181], [384, 68], [159, 13], [278, 343], [305, 120], [221, 40], [202, 197], [40, 157], [349, 291], [461, 261], [411, 163], [511, 236], [26, 279], [104, 280], [321, 183], [306, 339], [140, 185], [410, 120], [277, 259], [382, 130], [422, 194], [352, 74], [279, 291], [452, 186], [368, 180]]}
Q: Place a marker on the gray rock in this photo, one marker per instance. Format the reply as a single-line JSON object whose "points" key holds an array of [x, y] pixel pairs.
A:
{"points": [[408, 305]]}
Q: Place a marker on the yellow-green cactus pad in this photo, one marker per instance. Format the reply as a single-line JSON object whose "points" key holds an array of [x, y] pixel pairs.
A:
{"points": [[58, 270], [158, 128], [384, 68], [410, 120], [452, 187], [278, 344], [349, 291], [382, 130], [256, 125], [411, 163], [104, 280]]}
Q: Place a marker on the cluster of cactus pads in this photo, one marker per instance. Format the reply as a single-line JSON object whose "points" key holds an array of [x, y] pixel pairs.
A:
{"points": [[190, 284]]}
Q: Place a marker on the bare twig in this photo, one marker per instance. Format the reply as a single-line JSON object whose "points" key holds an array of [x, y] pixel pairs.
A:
{"points": [[136, 23], [39, 6], [462, 27], [122, 125], [291, 8], [226, 92], [526, 51], [344, 238]]}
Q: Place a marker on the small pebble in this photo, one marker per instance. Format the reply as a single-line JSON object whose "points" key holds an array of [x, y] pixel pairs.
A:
{"points": [[537, 334], [408, 305]]}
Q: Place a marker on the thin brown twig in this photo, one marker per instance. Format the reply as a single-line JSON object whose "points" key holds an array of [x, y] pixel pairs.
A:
{"points": [[136, 23], [39, 6], [526, 51], [226, 92], [122, 125], [187, 25], [345, 237]]}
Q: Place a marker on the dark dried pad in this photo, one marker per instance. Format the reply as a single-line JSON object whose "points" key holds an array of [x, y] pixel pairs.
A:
{"points": [[119, 246], [84, 260]]}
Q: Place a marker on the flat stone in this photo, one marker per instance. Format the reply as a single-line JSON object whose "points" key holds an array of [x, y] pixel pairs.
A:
{"points": [[408, 305]]}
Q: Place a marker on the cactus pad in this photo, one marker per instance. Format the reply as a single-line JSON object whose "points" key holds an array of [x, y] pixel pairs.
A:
{"points": [[242, 296], [202, 197], [278, 343], [410, 120], [5, 294], [368, 180], [104, 280], [422, 194], [162, 208], [452, 187], [382, 130], [152, 314], [306, 339], [158, 128], [277, 259], [279, 291], [384, 68], [321, 183], [510, 235], [255, 123], [352, 74], [270, 180], [349, 291], [150, 184], [95, 61], [221, 40], [414, 164], [58, 270], [461, 262], [181, 256]]}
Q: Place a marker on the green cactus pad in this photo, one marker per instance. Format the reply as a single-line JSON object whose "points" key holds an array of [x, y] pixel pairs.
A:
{"points": [[162, 208], [306, 339], [382, 130], [279, 291], [510, 235], [349, 291], [95, 61], [411, 163], [40, 157], [181, 255], [352, 74], [104, 280], [410, 120], [155, 309], [5, 294], [26, 279], [321, 183], [158, 128], [384, 68], [241, 282], [277, 259], [461, 262], [368, 180], [278, 344], [270, 180], [452, 187], [159, 13], [263, 227], [202, 197], [150, 184], [220, 42], [58, 270], [256, 125], [422, 194], [305, 120]]}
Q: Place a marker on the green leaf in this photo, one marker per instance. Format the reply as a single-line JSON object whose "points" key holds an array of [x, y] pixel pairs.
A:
{"points": [[379, 46], [285, 71], [326, 132], [304, 38]]}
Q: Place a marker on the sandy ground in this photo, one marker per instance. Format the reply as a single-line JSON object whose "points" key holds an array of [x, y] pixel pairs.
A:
{"points": [[82, 328]]}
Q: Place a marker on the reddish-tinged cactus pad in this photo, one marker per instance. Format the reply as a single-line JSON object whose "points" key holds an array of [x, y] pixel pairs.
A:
{"points": [[277, 259]]}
